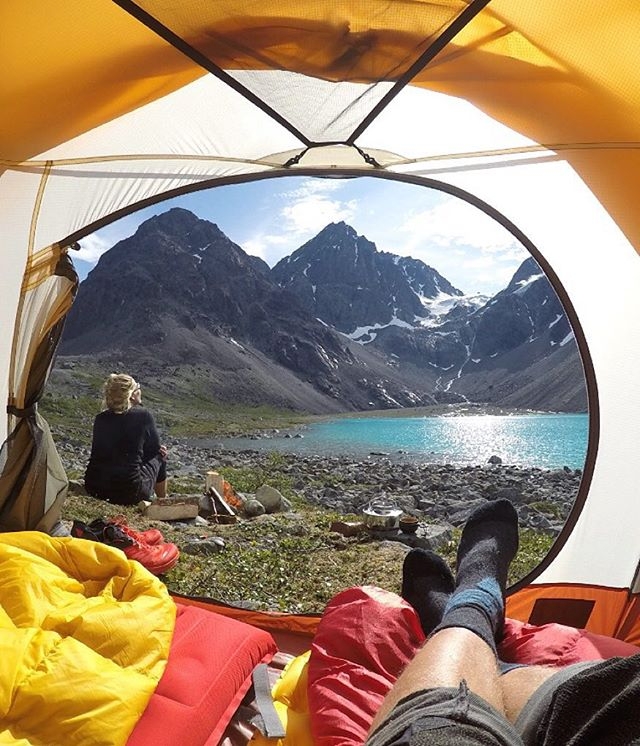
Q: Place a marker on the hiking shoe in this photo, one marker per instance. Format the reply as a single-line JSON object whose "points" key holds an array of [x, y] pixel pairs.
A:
{"points": [[158, 559], [151, 536], [80, 530], [114, 536]]}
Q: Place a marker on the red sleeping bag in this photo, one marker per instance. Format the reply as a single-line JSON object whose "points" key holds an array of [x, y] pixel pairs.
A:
{"points": [[367, 636]]}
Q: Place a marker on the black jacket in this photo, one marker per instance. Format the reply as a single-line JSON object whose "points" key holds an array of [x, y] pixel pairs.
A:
{"points": [[124, 451]]}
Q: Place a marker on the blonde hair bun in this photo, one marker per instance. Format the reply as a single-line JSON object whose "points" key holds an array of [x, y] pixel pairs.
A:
{"points": [[118, 389]]}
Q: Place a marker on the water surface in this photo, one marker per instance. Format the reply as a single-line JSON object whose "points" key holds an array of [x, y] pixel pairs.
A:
{"points": [[548, 441]]}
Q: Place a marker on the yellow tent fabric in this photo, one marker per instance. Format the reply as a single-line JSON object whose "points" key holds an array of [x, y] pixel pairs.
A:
{"points": [[84, 639], [564, 74]]}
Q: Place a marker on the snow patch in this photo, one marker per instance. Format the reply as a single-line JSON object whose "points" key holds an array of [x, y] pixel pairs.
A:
{"points": [[524, 284], [443, 304], [369, 331]]}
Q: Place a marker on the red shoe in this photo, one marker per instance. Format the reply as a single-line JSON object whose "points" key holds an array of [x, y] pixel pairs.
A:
{"points": [[157, 559], [151, 536]]}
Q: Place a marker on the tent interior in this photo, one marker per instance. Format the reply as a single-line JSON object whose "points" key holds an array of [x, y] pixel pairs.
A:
{"points": [[530, 111]]}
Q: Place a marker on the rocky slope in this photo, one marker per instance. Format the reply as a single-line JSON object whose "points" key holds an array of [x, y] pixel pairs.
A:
{"points": [[180, 293], [337, 326], [515, 349], [341, 278]]}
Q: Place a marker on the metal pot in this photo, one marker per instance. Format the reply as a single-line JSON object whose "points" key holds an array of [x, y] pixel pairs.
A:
{"points": [[381, 517]]}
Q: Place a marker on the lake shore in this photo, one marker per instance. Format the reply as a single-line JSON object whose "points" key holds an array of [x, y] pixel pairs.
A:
{"points": [[346, 485], [295, 553], [460, 436]]}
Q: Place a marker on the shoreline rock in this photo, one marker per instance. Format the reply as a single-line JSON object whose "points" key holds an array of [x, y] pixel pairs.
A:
{"points": [[437, 493]]}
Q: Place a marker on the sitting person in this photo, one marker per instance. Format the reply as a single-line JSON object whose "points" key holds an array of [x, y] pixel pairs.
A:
{"points": [[127, 462], [456, 691]]}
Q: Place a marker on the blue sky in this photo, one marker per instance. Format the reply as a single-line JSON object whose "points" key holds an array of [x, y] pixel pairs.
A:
{"points": [[273, 217]]}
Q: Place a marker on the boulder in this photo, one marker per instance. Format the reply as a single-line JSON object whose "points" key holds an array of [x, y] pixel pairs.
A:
{"points": [[212, 545], [253, 508], [270, 498]]}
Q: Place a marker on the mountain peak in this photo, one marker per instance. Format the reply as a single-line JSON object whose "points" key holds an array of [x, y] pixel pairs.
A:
{"points": [[344, 280], [178, 223]]}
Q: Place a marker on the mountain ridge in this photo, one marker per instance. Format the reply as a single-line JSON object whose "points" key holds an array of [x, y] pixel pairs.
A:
{"points": [[336, 326]]}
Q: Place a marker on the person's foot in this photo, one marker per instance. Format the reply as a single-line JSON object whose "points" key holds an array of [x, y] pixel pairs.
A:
{"points": [[427, 583], [488, 544]]}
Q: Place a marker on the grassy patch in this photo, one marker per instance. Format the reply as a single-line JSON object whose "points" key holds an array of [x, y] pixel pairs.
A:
{"points": [[534, 545], [286, 562], [249, 479], [548, 507], [188, 415]]}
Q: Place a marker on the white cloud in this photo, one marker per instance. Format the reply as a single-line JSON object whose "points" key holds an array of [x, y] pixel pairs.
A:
{"points": [[300, 214], [472, 250], [311, 186], [312, 204], [309, 215], [266, 246], [454, 221], [92, 248]]}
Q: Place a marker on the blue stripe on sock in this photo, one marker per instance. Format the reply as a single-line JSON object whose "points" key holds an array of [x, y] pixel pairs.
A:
{"points": [[486, 595]]}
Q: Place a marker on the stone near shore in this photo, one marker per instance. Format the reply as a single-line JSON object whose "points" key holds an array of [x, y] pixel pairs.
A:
{"points": [[272, 500], [440, 494]]}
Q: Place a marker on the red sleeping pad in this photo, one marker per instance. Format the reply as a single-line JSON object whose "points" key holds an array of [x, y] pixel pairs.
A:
{"points": [[208, 673]]}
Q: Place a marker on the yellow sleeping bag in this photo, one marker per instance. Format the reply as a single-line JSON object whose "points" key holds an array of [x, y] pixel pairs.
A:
{"points": [[289, 695], [84, 640]]}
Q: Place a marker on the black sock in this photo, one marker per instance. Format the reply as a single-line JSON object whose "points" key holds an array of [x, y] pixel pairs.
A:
{"points": [[489, 542], [427, 583]]}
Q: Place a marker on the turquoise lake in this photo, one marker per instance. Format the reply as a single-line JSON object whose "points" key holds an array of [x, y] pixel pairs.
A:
{"points": [[548, 441]]}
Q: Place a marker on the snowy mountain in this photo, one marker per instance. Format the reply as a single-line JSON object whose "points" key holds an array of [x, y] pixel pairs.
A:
{"points": [[476, 347], [336, 326]]}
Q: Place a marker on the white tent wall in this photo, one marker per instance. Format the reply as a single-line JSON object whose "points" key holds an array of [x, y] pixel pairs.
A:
{"points": [[203, 119], [433, 124], [18, 200]]}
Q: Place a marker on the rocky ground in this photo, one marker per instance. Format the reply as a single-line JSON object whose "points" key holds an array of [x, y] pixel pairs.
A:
{"points": [[435, 492], [295, 553]]}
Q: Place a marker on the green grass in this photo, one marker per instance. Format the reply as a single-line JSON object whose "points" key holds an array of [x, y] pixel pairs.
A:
{"points": [[188, 416], [248, 479], [287, 562]]}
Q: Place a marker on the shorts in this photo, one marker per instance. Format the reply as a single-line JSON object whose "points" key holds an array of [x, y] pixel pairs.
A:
{"points": [[446, 716], [129, 490], [588, 703]]}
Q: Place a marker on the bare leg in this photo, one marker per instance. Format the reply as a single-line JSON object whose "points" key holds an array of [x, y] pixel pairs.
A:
{"points": [[447, 658], [161, 488], [519, 684]]}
